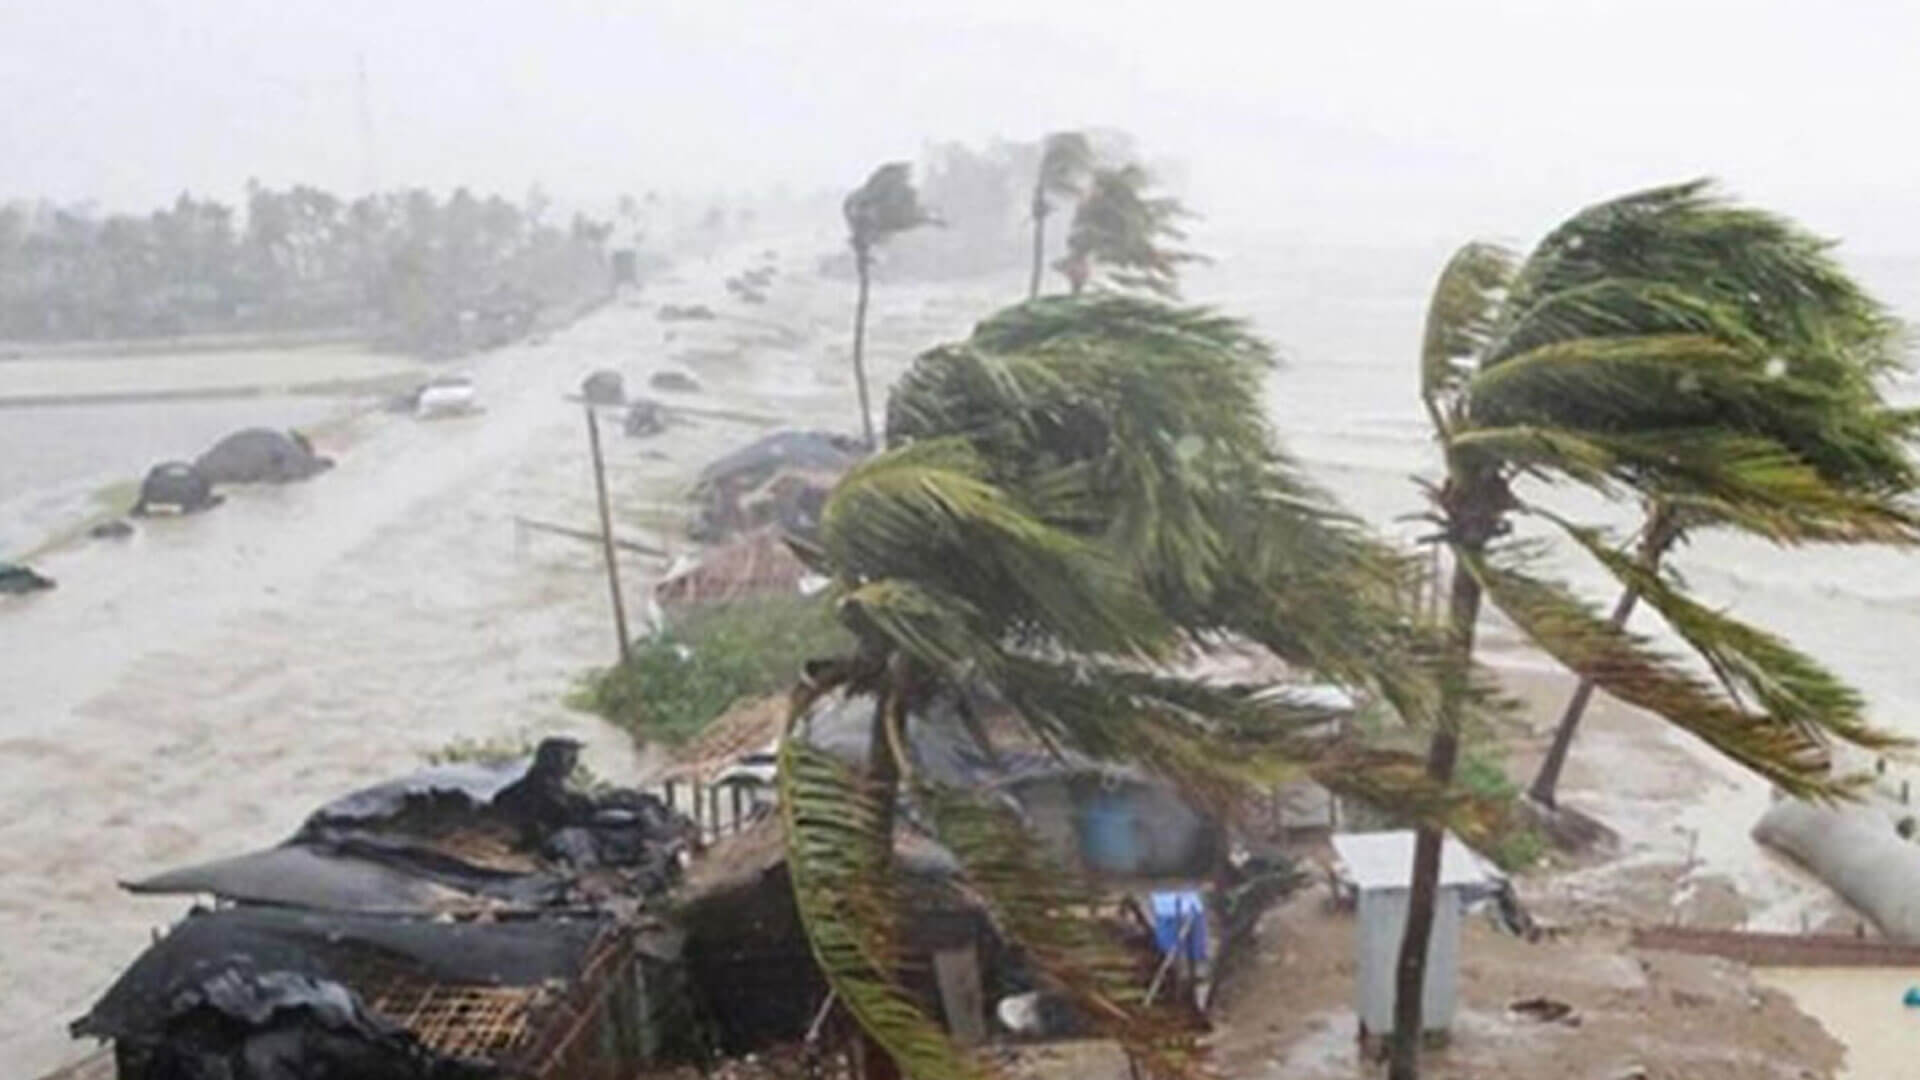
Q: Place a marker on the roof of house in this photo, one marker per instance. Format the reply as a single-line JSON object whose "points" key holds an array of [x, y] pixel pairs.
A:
{"points": [[1384, 860]]}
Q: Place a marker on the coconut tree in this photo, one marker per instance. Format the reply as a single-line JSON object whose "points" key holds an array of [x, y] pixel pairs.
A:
{"points": [[884, 206], [1066, 160], [1833, 335], [1072, 497], [1123, 230], [1665, 344]]}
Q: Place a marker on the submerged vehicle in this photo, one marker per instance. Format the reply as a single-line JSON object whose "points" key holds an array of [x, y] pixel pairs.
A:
{"points": [[176, 487], [446, 395], [261, 456], [16, 578]]}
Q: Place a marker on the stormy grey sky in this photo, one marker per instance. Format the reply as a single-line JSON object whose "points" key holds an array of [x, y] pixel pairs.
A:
{"points": [[1369, 120]]}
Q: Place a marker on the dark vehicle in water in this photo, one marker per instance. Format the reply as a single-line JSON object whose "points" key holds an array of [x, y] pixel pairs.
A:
{"points": [[261, 456], [178, 487], [604, 387], [16, 579]]}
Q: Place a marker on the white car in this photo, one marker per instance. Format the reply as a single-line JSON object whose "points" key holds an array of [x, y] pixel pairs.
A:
{"points": [[446, 395]]}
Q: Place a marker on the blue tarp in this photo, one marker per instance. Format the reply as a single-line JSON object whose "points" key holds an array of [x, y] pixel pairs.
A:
{"points": [[1171, 912]]}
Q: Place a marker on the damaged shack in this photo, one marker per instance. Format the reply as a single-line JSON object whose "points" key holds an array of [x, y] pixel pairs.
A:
{"points": [[468, 921]]}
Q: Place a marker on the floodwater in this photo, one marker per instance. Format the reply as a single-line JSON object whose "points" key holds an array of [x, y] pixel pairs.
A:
{"points": [[57, 460], [191, 692], [1861, 1007]]}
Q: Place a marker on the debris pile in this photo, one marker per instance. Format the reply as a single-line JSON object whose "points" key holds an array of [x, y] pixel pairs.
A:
{"points": [[781, 480], [468, 921]]}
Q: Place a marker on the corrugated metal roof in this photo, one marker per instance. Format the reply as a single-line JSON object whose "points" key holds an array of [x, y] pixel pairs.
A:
{"points": [[1384, 860]]}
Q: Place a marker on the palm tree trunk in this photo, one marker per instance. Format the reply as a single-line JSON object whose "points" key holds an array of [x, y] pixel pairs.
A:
{"points": [[861, 267], [883, 773], [1411, 975], [1039, 253], [1661, 533]]}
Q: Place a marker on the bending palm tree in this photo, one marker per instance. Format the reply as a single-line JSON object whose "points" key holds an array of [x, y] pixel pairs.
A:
{"points": [[1074, 494], [1639, 349], [885, 205], [1065, 160], [1121, 229], [1823, 331]]}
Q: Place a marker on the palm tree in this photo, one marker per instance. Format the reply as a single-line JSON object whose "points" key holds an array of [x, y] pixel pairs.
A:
{"points": [[1836, 337], [876, 210], [1072, 496], [1665, 344], [1066, 160], [1121, 228]]}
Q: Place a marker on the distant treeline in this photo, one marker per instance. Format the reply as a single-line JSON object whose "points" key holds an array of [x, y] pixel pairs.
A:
{"points": [[404, 267]]}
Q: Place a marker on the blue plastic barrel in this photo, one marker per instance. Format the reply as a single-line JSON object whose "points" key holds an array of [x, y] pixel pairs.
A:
{"points": [[1107, 835]]}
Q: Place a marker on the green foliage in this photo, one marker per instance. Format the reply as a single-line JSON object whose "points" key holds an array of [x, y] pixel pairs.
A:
{"points": [[1712, 360], [1072, 497], [839, 847], [503, 749], [1122, 232], [1509, 837], [496, 750], [887, 204], [677, 681]]}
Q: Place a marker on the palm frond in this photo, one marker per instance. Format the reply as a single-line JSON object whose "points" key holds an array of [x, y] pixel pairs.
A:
{"points": [[1048, 914], [1119, 227], [1782, 281], [839, 851], [885, 205], [1461, 315], [1672, 309], [1066, 160], [1754, 667], [1626, 666], [923, 513]]}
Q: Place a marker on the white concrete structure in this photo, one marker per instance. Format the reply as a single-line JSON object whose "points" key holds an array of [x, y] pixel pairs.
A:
{"points": [[1380, 868]]}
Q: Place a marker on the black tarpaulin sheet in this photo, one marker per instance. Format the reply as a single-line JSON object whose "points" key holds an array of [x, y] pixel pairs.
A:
{"points": [[246, 945]]}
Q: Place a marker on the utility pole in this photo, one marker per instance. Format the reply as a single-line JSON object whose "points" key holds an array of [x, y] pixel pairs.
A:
{"points": [[606, 534]]}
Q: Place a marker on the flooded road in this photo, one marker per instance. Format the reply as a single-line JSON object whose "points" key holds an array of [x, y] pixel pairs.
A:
{"points": [[193, 692]]}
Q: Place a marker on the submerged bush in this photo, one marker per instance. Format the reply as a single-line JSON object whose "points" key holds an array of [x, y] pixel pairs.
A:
{"points": [[681, 679]]}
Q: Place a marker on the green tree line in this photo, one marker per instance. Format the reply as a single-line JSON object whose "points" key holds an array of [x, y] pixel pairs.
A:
{"points": [[400, 265]]}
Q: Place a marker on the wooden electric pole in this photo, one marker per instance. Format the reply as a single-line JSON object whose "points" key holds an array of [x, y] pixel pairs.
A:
{"points": [[606, 534]]}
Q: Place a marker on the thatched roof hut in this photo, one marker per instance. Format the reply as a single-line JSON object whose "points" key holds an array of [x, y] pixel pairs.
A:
{"points": [[754, 564]]}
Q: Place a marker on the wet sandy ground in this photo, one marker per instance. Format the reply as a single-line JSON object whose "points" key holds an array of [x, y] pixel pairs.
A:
{"points": [[193, 692]]}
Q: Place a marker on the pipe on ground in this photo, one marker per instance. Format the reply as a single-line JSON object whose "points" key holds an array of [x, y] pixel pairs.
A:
{"points": [[1857, 851]]}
